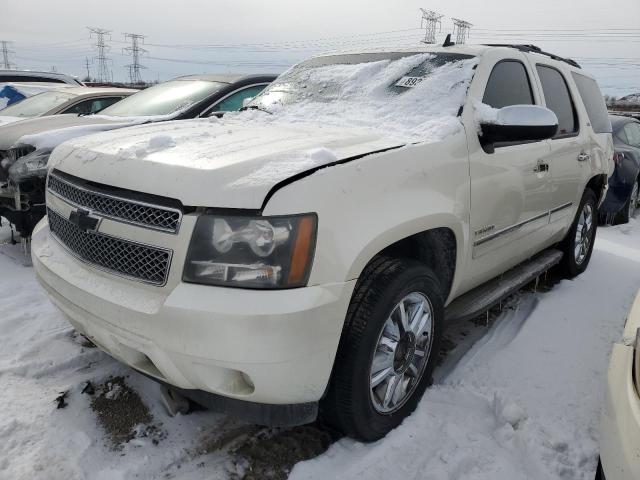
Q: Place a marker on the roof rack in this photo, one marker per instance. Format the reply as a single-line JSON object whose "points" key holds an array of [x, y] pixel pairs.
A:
{"points": [[535, 49]]}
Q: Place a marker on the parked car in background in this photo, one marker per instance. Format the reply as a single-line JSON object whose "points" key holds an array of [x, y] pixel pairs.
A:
{"points": [[75, 100], [622, 198], [310, 250], [620, 421], [28, 76], [11, 93], [25, 146]]}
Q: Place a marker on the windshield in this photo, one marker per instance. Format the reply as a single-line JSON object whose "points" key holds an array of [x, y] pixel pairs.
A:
{"points": [[163, 99], [399, 92], [37, 105]]}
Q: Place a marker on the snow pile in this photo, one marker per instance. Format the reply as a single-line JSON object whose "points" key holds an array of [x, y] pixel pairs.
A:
{"points": [[364, 95], [522, 403], [3, 102], [280, 168], [6, 120], [50, 139]]}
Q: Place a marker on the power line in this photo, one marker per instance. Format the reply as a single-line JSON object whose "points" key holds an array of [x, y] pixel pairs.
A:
{"points": [[430, 22], [135, 51], [5, 54], [104, 74]]}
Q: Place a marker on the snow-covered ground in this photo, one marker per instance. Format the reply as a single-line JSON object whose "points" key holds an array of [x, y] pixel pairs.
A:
{"points": [[522, 402]]}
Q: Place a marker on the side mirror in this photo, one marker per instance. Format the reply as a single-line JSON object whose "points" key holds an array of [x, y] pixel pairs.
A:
{"points": [[518, 123], [247, 101]]}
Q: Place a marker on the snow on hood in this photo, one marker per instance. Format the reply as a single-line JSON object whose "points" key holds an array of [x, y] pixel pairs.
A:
{"points": [[6, 120], [48, 139], [231, 163]]}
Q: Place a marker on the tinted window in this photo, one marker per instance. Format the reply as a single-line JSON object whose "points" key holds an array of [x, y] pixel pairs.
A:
{"points": [[632, 132], [25, 78], [594, 103], [234, 101], [508, 85], [558, 99], [164, 99], [92, 106]]}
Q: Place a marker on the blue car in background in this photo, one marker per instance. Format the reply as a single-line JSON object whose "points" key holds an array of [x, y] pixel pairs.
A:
{"points": [[621, 202]]}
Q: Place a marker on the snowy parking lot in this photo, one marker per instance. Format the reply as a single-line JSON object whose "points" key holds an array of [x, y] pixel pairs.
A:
{"points": [[517, 397]]}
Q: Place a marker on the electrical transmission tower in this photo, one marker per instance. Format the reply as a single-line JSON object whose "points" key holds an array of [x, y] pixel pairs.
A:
{"points": [[104, 74], [430, 22], [86, 64], [5, 55], [135, 51], [461, 30]]}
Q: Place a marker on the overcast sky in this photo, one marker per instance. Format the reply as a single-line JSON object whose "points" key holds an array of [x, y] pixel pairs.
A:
{"points": [[196, 36]]}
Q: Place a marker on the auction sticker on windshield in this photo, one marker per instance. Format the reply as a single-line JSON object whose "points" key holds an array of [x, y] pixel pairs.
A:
{"points": [[409, 81]]}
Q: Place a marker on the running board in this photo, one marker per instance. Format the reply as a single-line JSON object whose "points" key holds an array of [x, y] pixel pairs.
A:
{"points": [[482, 298]]}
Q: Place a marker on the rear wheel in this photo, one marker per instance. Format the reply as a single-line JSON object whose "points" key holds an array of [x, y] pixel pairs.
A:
{"points": [[578, 244], [388, 348], [629, 209]]}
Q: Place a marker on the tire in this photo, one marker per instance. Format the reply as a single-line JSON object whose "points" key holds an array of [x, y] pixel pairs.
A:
{"points": [[629, 209], [574, 263], [352, 405]]}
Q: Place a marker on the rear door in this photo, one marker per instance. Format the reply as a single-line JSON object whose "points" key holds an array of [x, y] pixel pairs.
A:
{"points": [[597, 125], [567, 148]]}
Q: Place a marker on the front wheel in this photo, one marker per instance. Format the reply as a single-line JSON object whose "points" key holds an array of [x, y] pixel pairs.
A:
{"points": [[578, 244], [388, 348]]}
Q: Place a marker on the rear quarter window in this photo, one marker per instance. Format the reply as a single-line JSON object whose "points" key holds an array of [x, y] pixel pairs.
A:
{"points": [[594, 103]]}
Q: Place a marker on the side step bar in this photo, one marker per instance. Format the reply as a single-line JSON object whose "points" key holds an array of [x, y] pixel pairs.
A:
{"points": [[482, 298]]}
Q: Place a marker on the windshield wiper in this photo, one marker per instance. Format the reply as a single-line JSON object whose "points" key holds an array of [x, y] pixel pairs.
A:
{"points": [[255, 107]]}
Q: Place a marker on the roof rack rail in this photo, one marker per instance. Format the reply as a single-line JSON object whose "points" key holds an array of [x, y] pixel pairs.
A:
{"points": [[535, 49]]}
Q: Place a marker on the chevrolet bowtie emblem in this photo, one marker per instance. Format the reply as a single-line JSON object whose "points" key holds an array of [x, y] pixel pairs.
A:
{"points": [[84, 221]]}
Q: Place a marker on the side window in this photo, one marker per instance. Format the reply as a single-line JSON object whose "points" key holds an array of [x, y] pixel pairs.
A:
{"points": [[234, 101], [94, 105], [558, 99], [508, 85], [593, 102], [632, 132]]}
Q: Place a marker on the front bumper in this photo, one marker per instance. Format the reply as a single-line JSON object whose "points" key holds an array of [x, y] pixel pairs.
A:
{"points": [[620, 422], [271, 347]]}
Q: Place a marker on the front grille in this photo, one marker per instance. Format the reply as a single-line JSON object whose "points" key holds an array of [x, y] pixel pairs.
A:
{"points": [[122, 257], [121, 209]]}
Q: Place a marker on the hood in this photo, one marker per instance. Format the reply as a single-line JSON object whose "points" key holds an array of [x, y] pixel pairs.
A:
{"points": [[211, 163], [6, 120], [11, 133]]}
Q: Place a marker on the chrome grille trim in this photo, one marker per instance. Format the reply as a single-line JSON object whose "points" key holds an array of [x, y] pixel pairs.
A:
{"points": [[120, 209], [132, 260]]}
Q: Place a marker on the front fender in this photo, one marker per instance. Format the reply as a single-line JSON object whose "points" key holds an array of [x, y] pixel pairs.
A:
{"points": [[372, 202]]}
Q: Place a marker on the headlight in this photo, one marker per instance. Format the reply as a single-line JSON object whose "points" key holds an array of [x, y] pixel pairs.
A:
{"points": [[251, 252], [31, 165]]}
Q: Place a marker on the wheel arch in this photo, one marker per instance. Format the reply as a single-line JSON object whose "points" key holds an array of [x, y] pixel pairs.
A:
{"points": [[438, 247], [598, 185]]}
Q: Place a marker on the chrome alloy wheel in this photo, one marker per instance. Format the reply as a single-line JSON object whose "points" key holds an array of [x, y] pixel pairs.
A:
{"points": [[402, 353], [633, 200], [584, 234]]}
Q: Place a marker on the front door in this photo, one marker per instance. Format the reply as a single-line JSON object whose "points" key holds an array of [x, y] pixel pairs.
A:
{"points": [[510, 183]]}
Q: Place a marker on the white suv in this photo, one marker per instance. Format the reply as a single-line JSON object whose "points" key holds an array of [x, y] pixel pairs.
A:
{"points": [[305, 254]]}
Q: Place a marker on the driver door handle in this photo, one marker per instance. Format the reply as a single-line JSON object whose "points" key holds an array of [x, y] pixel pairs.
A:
{"points": [[583, 157]]}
